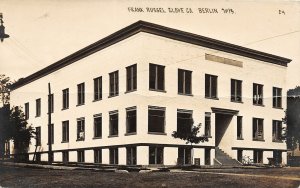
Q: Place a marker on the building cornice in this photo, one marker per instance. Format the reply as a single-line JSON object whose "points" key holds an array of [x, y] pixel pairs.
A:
{"points": [[142, 26]]}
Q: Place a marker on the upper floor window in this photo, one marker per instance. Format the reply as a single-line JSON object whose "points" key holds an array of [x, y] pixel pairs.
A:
{"points": [[27, 110], [80, 94], [207, 125], [65, 131], [257, 94], [131, 76], [156, 119], [80, 129], [184, 121], [97, 126], [65, 103], [258, 129], [277, 129], [239, 127], [114, 84], [38, 107], [51, 134], [38, 136], [184, 82], [236, 90], [113, 123], [157, 77], [131, 120], [277, 97], [98, 88], [211, 85]]}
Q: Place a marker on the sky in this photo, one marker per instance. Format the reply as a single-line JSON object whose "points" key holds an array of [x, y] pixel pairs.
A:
{"points": [[45, 31]]}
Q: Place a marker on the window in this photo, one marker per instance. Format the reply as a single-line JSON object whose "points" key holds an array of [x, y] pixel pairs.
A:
{"points": [[236, 90], [277, 129], [184, 156], [131, 78], [156, 119], [184, 121], [98, 88], [156, 155], [65, 157], [131, 155], [114, 84], [277, 97], [207, 125], [97, 155], [113, 156], [65, 131], [184, 82], [38, 107], [80, 129], [51, 98], [258, 129], [113, 123], [80, 94], [80, 156], [38, 136], [51, 134], [239, 127], [26, 110], [131, 120], [258, 156], [207, 156], [240, 155], [257, 94], [157, 77], [65, 98], [211, 82], [97, 126]]}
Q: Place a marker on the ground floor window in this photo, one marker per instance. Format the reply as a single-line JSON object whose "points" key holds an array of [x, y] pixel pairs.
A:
{"points": [[156, 155], [240, 155], [207, 157], [98, 156], [184, 156], [131, 155], [65, 157], [38, 157], [258, 156], [277, 155], [113, 156], [80, 156]]}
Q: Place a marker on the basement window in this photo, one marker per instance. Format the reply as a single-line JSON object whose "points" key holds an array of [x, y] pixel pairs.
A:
{"points": [[156, 119], [131, 155], [156, 155], [113, 156], [184, 82], [258, 129], [157, 77]]}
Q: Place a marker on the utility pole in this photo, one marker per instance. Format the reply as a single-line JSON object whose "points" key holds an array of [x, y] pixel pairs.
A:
{"points": [[50, 154]]}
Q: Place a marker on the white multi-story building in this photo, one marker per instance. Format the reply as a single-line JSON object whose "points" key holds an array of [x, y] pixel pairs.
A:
{"points": [[118, 100]]}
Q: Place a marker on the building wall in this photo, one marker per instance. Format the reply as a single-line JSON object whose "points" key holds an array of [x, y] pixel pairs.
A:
{"points": [[142, 49]]}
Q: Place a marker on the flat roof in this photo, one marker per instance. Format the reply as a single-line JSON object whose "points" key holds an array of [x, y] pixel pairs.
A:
{"points": [[159, 30]]}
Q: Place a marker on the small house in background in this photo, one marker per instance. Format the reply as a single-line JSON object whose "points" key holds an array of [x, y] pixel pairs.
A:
{"points": [[118, 100]]}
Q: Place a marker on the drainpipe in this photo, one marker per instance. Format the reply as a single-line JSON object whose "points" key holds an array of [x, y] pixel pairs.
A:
{"points": [[49, 126]]}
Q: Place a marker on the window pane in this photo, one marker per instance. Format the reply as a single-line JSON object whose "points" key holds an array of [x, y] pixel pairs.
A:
{"points": [[152, 76], [180, 81], [188, 82], [160, 78]]}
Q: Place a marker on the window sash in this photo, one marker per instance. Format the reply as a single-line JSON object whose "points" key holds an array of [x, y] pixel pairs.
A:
{"points": [[184, 81], [113, 124], [65, 131], [239, 127], [38, 107], [65, 98], [184, 122], [81, 94], [236, 90], [258, 94], [258, 129], [81, 129], [98, 126], [157, 77], [211, 85], [277, 97], [98, 88], [131, 121], [277, 129], [156, 120], [114, 83], [131, 77]]}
